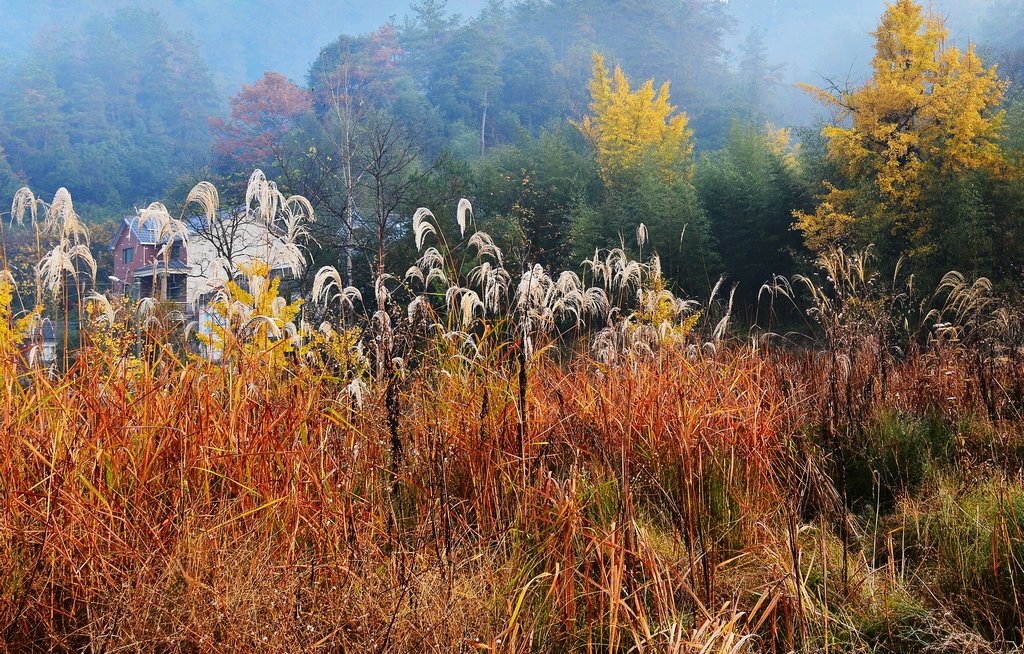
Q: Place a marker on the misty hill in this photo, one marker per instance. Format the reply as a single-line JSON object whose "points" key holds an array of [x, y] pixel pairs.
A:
{"points": [[239, 38]]}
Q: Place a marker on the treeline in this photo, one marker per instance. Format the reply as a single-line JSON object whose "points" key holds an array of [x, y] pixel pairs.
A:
{"points": [[110, 109], [486, 109], [561, 152], [124, 100]]}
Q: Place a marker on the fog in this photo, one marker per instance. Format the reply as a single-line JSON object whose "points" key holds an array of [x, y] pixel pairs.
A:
{"points": [[832, 37], [817, 40], [240, 39]]}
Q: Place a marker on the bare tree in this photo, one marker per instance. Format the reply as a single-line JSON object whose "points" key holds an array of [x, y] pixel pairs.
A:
{"points": [[224, 235], [352, 79], [389, 164]]}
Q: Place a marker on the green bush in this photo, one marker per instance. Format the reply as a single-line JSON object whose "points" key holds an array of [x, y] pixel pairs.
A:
{"points": [[968, 538], [894, 457]]}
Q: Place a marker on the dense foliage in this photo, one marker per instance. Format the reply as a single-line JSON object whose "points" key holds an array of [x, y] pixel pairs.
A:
{"points": [[533, 463], [122, 102], [922, 160]]}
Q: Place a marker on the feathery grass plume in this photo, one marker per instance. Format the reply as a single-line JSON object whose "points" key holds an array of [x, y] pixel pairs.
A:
{"points": [[533, 291], [614, 262], [654, 267], [600, 269], [417, 308], [485, 247], [595, 302], [465, 303], [146, 308], [421, 226], [81, 252], [494, 281], [428, 268], [277, 308], [59, 217], [59, 263], [265, 195], [328, 278], [293, 334], [190, 330], [479, 274], [167, 230], [297, 209], [964, 301], [258, 285], [380, 289], [641, 236], [34, 356], [382, 322], [206, 196], [470, 303], [24, 201], [723, 324], [464, 208], [568, 283], [272, 325], [357, 389], [289, 254], [438, 275], [414, 272], [292, 222], [431, 258], [102, 302], [63, 220], [239, 311], [628, 276]]}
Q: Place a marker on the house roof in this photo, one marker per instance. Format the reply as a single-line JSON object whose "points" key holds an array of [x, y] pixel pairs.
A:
{"points": [[144, 231], [197, 222]]}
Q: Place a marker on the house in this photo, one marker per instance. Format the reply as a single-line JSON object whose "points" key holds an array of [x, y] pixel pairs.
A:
{"points": [[40, 345], [142, 270], [226, 246], [236, 240]]}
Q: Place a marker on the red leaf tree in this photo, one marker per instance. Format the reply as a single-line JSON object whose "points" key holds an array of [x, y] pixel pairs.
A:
{"points": [[261, 115]]}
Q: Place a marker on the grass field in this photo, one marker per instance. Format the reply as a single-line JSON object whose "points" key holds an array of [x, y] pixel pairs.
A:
{"points": [[464, 471]]}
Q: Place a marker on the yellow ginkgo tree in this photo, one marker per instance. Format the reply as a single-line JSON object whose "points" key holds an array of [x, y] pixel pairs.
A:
{"points": [[626, 126], [643, 150], [929, 112]]}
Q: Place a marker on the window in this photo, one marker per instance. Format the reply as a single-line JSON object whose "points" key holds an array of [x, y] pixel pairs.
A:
{"points": [[176, 252], [175, 287], [128, 254]]}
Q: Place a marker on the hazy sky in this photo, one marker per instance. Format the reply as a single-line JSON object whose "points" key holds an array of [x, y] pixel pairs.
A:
{"points": [[833, 36], [240, 38]]}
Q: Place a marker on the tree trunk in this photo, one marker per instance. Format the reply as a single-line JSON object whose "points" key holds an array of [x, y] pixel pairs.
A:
{"points": [[483, 128]]}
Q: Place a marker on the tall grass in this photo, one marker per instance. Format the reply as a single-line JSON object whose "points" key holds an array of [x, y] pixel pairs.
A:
{"points": [[559, 463]]}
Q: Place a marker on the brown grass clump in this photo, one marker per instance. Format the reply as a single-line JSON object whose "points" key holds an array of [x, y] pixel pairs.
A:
{"points": [[198, 506]]}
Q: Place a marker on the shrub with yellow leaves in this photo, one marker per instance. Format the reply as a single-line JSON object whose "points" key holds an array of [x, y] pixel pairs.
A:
{"points": [[251, 318]]}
